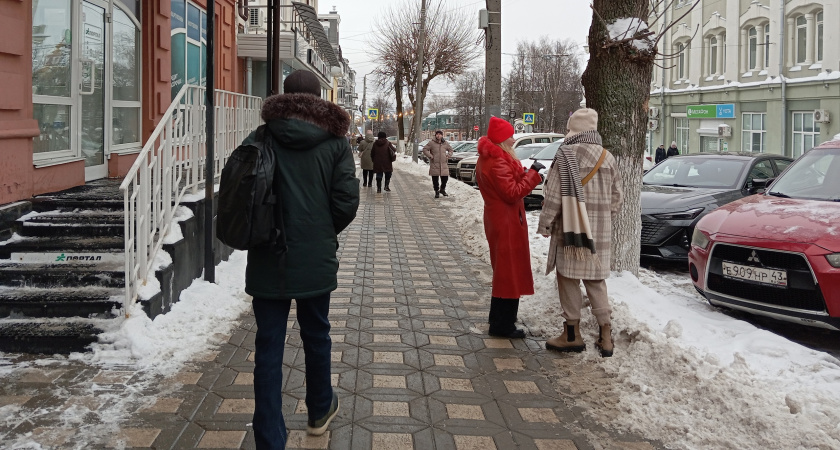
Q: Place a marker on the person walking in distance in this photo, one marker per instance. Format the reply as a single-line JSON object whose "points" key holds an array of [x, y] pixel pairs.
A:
{"points": [[383, 154], [582, 196], [320, 197], [438, 151], [672, 150], [364, 159], [660, 154], [503, 184]]}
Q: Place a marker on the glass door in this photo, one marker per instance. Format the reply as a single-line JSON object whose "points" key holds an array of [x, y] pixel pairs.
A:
{"points": [[93, 96]]}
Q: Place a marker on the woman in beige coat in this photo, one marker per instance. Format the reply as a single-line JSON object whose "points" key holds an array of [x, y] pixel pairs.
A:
{"points": [[587, 258], [438, 151]]}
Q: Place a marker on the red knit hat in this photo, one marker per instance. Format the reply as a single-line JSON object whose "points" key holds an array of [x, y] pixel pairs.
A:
{"points": [[499, 130]]}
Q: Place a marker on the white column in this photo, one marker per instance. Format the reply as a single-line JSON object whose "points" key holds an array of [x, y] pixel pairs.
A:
{"points": [[791, 42], [721, 38], [810, 33], [745, 51], [707, 56]]}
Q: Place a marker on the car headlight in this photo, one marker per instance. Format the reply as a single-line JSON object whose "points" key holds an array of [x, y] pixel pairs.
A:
{"points": [[833, 259], [699, 239], [682, 215]]}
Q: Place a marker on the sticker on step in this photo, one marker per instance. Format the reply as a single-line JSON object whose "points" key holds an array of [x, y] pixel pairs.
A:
{"points": [[67, 258]]}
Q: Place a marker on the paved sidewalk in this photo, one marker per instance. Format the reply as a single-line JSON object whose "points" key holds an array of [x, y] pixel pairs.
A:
{"points": [[413, 365]]}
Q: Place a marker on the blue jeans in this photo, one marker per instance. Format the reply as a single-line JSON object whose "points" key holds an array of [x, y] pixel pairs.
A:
{"points": [[272, 314]]}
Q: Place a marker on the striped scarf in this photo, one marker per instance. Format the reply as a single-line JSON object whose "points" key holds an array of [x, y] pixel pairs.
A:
{"points": [[577, 234]]}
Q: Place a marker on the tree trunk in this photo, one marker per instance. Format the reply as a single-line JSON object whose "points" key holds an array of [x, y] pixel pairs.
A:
{"points": [[617, 85], [398, 93]]}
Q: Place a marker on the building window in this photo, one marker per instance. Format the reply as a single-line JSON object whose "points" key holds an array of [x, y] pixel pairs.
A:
{"points": [[713, 49], [752, 48], [767, 45], [820, 36], [801, 39], [680, 61], [681, 134], [806, 133], [753, 132]]}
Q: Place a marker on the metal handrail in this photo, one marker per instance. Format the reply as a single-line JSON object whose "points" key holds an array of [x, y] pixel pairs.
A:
{"points": [[171, 164]]}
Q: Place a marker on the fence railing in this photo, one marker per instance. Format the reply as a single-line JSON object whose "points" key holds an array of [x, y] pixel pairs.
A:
{"points": [[172, 164]]}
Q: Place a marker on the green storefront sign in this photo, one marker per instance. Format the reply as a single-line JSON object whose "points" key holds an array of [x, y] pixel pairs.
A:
{"points": [[701, 112]]}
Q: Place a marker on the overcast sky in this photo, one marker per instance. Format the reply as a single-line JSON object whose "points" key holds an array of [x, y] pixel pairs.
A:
{"points": [[522, 20]]}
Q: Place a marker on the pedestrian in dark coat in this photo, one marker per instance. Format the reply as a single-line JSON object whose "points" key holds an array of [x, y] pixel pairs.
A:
{"points": [[503, 185], [364, 159], [673, 151], [438, 152], [320, 196], [383, 154], [660, 154], [580, 227]]}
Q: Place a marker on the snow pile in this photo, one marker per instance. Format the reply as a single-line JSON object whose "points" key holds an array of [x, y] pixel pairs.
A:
{"points": [[683, 373], [164, 344], [628, 27]]}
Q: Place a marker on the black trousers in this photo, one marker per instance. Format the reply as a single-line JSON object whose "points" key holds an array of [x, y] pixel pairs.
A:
{"points": [[379, 179], [367, 177], [443, 181]]}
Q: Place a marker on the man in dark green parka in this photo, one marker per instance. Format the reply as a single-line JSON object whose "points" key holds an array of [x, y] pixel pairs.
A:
{"points": [[320, 196]]}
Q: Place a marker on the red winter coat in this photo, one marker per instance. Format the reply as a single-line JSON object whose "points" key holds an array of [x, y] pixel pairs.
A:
{"points": [[503, 184]]}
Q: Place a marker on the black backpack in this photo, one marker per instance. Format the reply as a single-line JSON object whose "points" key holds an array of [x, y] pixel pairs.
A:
{"points": [[250, 213]]}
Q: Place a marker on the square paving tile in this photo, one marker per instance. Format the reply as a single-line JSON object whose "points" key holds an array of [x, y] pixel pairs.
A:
{"points": [[221, 439]]}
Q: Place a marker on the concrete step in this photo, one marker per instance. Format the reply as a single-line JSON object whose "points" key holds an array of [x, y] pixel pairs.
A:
{"points": [[83, 302], [57, 275], [59, 244], [47, 336], [46, 204], [52, 229]]}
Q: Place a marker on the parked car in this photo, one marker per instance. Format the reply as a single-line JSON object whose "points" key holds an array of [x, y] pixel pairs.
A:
{"points": [[467, 149], [777, 254], [544, 156], [682, 189], [465, 169]]}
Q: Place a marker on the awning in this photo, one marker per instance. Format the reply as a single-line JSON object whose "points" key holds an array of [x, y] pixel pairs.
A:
{"points": [[310, 20]]}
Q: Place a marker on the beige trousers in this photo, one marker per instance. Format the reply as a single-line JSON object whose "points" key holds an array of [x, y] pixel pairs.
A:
{"points": [[571, 298]]}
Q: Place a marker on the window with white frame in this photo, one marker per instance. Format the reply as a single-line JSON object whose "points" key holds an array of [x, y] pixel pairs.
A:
{"points": [[713, 49], [820, 36], [801, 39], [766, 45], [806, 133], [681, 58], [753, 132], [681, 134], [752, 48]]}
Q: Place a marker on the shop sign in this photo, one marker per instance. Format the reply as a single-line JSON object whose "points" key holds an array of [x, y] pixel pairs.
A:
{"points": [[724, 111]]}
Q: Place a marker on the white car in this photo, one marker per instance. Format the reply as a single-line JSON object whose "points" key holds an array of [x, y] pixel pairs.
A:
{"points": [[465, 169]]}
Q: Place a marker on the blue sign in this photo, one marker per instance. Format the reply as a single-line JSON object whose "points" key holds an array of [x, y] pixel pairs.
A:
{"points": [[528, 118], [726, 111]]}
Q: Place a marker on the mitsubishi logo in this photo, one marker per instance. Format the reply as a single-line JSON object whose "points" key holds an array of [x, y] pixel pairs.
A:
{"points": [[754, 258]]}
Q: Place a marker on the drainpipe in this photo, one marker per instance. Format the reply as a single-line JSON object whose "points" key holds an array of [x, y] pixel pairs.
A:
{"points": [[662, 84], [249, 74], [781, 75]]}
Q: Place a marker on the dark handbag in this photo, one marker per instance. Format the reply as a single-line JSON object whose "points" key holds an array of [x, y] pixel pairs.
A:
{"points": [[393, 152]]}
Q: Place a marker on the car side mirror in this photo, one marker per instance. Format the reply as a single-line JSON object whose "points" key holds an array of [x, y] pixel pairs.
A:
{"points": [[757, 185]]}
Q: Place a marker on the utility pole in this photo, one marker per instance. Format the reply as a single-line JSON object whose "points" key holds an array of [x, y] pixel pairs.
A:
{"points": [[493, 62], [209, 176], [418, 107], [364, 104]]}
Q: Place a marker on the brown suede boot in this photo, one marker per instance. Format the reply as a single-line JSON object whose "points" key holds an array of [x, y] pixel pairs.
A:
{"points": [[605, 343], [569, 340]]}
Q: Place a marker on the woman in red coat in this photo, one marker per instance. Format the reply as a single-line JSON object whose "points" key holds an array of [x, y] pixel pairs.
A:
{"points": [[503, 184]]}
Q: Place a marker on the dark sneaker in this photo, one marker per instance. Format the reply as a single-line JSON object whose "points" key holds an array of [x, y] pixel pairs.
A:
{"points": [[319, 427], [515, 334]]}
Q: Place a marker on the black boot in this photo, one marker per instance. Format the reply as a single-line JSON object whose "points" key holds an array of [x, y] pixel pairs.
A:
{"points": [[443, 192], [503, 318], [378, 186], [437, 193], [387, 187]]}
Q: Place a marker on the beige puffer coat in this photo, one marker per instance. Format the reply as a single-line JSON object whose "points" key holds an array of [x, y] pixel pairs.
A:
{"points": [[438, 154]]}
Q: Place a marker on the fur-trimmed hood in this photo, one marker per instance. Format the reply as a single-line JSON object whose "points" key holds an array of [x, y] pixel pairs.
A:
{"points": [[488, 149], [306, 108]]}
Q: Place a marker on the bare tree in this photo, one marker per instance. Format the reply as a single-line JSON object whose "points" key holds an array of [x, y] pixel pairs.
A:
{"points": [[450, 48], [385, 120], [469, 98], [545, 81]]}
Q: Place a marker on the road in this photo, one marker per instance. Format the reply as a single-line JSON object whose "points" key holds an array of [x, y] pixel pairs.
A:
{"points": [[816, 338]]}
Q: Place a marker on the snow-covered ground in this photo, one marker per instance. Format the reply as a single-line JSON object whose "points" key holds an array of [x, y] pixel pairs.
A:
{"points": [[683, 373]]}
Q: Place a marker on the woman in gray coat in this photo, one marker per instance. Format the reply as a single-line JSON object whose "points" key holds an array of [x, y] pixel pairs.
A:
{"points": [[365, 161], [438, 151]]}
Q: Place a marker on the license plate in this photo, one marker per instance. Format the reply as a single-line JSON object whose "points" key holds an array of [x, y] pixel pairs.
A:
{"points": [[773, 277], [466, 174]]}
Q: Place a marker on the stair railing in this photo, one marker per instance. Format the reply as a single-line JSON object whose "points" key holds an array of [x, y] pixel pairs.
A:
{"points": [[171, 165]]}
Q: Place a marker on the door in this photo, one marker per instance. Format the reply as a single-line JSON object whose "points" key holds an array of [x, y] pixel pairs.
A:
{"points": [[93, 101]]}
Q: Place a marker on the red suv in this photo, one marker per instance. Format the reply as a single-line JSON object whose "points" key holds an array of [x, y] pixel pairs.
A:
{"points": [[777, 254]]}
